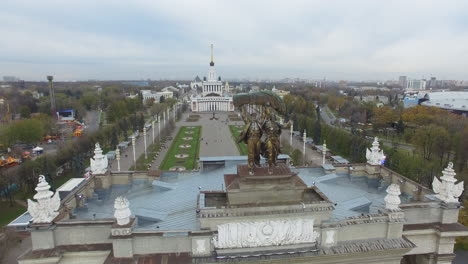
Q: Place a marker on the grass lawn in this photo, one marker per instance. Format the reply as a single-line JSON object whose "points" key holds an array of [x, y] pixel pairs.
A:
{"points": [[242, 147], [9, 213], [142, 163], [191, 161]]}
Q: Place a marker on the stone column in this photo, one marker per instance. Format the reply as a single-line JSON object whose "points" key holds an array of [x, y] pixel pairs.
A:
{"points": [[121, 231], [117, 157], [133, 146], [324, 152], [303, 146], [291, 134], [144, 139], [159, 126], [153, 123]]}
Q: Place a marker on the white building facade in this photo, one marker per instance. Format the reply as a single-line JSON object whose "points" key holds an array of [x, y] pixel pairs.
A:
{"points": [[148, 94], [213, 96]]}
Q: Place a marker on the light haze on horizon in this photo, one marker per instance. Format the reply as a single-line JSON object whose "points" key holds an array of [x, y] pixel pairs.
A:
{"points": [[353, 40]]}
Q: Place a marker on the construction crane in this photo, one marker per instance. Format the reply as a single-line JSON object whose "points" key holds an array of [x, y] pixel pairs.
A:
{"points": [[50, 78]]}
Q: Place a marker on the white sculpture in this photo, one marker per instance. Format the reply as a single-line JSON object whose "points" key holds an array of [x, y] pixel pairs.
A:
{"points": [[46, 207], [265, 233], [374, 155], [99, 162], [122, 211], [392, 200], [446, 189]]}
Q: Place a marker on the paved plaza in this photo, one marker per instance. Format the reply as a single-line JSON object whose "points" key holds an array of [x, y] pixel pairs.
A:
{"points": [[216, 139]]}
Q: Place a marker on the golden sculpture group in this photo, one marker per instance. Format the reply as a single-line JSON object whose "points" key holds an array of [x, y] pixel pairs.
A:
{"points": [[262, 131]]}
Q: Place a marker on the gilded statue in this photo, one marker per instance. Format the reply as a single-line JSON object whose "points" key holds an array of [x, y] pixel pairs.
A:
{"points": [[261, 132], [251, 136]]}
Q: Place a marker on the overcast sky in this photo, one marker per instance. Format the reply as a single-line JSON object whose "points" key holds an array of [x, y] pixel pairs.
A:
{"points": [[137, 39]]}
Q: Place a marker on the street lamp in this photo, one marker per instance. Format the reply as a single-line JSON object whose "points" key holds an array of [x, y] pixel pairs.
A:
{"points": [[144, 139], [291, 134], [117, 157], [324, 148], [133, 145], [153, 123], [159, 126], [303, 147]]}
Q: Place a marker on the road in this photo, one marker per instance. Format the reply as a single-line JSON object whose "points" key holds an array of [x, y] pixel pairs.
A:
{"points": [[312, 157], [92, 120], [329, 118]]}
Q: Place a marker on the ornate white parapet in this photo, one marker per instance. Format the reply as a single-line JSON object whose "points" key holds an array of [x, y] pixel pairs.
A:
{"points": [[122, 210], [445, 188], [47, 205], [392, 200], [99, 162], [265, 233], [374, 155]]}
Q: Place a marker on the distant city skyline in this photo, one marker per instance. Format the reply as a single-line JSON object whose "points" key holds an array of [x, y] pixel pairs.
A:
{"points": [[132, 40]]}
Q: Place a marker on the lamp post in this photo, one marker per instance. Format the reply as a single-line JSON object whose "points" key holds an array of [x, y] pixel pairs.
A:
{"points": [[144, 139], [324, 152], [133, 145], [303, 146], [291, 134], [153, 123], [159, 126], [117, 157]]}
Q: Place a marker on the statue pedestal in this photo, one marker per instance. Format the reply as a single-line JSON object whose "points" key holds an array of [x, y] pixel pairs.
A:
{"points": [[263, 187], [42, 236]]}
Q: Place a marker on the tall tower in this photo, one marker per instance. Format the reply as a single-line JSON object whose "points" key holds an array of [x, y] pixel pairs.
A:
{"points": [[212, 62], [50, 78], [211, 70]]}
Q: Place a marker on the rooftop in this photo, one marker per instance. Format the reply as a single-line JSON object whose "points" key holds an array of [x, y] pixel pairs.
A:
{"points": [[170, 203]]}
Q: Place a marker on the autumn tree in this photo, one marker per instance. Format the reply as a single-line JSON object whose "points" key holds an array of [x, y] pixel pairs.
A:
{"points": [[384, 116], [429, 140]]}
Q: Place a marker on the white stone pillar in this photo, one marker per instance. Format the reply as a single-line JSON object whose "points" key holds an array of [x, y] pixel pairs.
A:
{"points": [[164, 118], [291, 134], [303, 146], [144, 139], [324, 152], [133, 146], [153, 124], [159, 125], [117, 157]]}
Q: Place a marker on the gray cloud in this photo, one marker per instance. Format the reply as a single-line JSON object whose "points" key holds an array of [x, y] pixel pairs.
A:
{"points": [[170, 39]]}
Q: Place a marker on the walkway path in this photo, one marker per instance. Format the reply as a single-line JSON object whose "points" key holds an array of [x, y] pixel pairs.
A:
{"points": [[312, 156], [215, 139], [126, 156]]}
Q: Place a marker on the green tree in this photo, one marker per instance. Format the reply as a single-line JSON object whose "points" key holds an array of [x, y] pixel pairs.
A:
{"points": [[428, 139], [318, 127], [24, 131], [90, 100], [25, 112]]}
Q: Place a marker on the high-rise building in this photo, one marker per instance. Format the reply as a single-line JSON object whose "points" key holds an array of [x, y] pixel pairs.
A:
{"points": [[432, 83], [10, 79], [402, 81], [417, 85]]}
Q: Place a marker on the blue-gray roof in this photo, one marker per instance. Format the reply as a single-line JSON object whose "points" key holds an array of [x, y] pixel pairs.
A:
{"points": [[170, 202]]}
